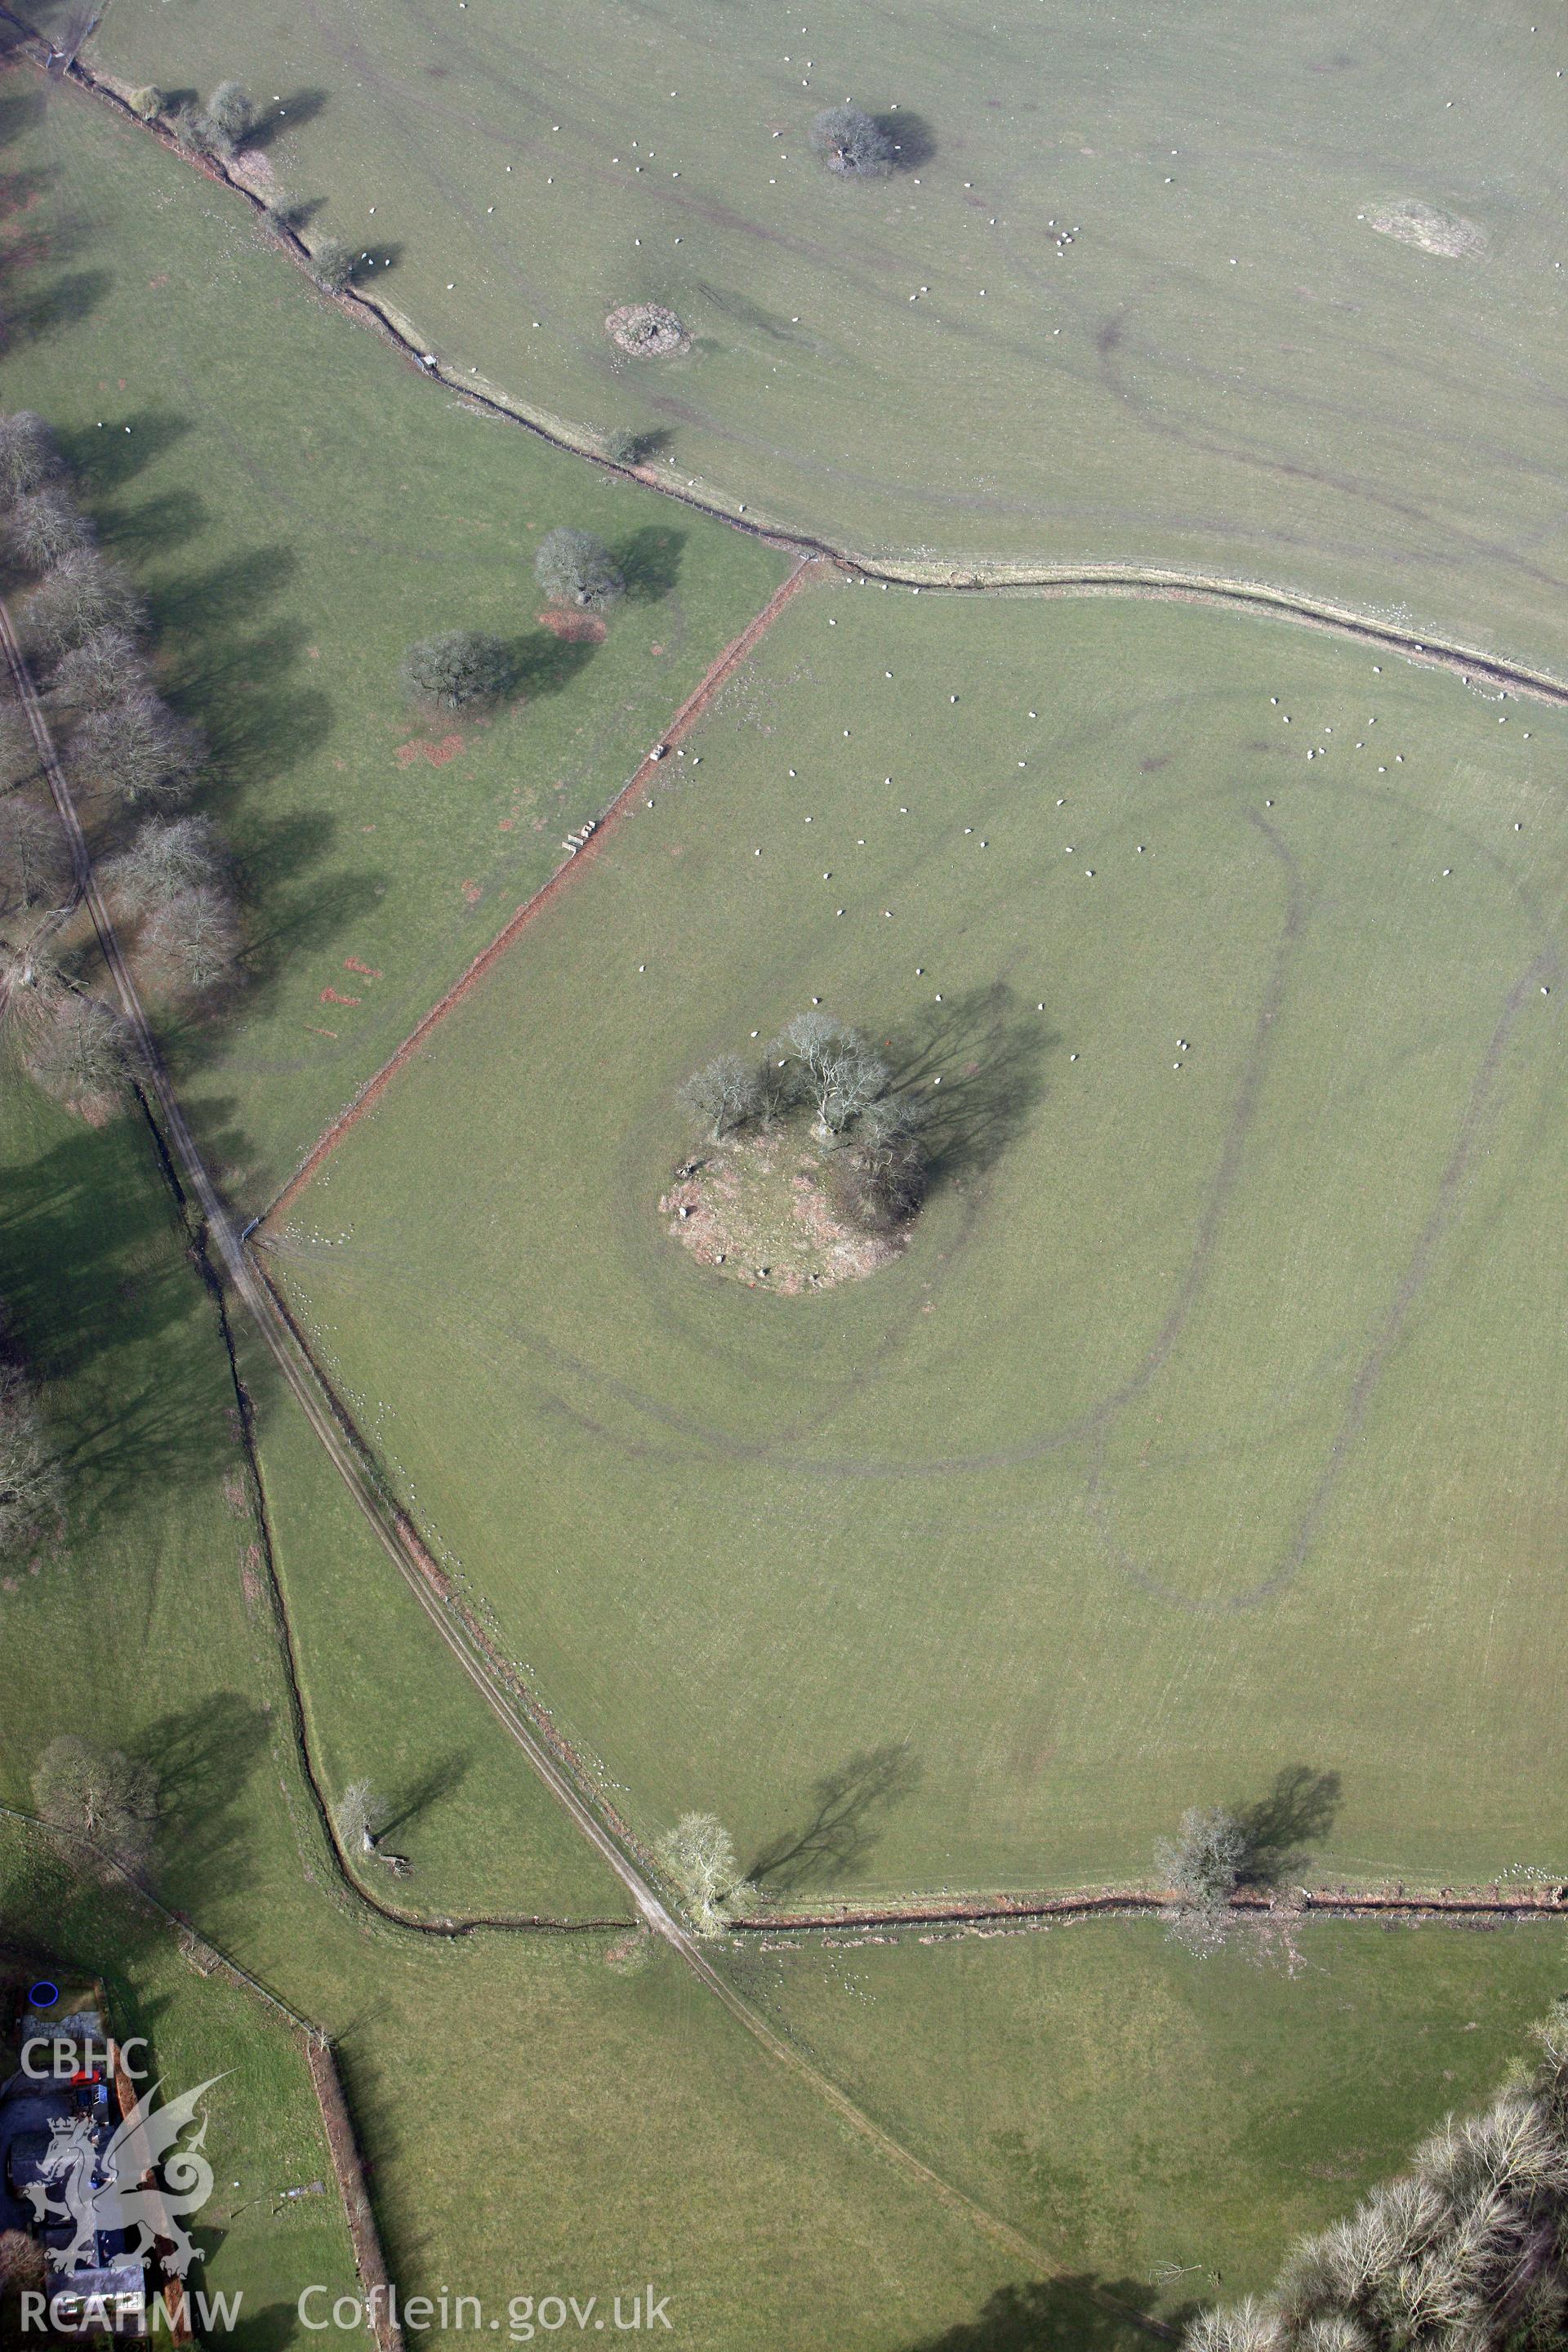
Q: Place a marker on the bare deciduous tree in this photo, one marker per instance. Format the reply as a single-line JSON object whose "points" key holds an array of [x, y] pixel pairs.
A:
{"points": [[168, 855], [698, 1857], [34, 858], [1204, 1866], [138, 749], [106, 667], [574, 568], [332, 266], [457, 668], [230, 113], [852, 143], [887, 1167], [28, 457], [840, 1074], [77, 1049], [30, 1477], [99, 1794], [45, 525], [359, 1816], [83, 592], [1467, 2252], [723, 1094], [195, 928]]}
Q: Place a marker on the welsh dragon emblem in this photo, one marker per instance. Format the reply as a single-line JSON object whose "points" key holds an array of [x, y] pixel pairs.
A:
{"points": [[99, 2188]]}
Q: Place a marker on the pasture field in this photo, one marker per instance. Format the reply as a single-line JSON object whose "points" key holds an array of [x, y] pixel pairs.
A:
{"points": [[1209, 1428], [385, 1703], [299, 505], [610, 2100], [1229, 369], [264, 2129], [1104, 2093]]}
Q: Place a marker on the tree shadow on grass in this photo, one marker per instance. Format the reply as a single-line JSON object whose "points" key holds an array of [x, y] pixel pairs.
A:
{"points": [[299, 107], [20, 109], [65, 301], [1079, 2312], [155, 527], [842, 1827], [103, 1304], [542, 663], [990, 1055], [913, 138], [1283, 1827], [205, 1757], [437, 1781], [102, 463], [650, 562]]}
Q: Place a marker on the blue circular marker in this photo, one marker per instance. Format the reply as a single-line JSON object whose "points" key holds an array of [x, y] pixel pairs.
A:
{"points": [[43, 1995]]}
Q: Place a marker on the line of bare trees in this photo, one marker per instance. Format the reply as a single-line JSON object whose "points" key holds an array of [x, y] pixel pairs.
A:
{"points": [[31, 1478], [1466, 2252], [133, 764]]}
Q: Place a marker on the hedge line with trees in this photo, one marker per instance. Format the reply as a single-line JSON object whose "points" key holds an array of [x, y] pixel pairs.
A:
{"points": [[133, 763], [1466, 2252]]}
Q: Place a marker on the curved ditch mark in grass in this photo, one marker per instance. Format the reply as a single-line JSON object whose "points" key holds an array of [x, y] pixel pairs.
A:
{"points": [[1542, 967], [1107, 579]]}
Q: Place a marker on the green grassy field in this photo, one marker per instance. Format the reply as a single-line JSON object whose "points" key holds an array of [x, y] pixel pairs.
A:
{"points": [[520, 2100], [1208, 1428], [1229, 369], [264, 2132], [1159, 2115], [299, 507]]}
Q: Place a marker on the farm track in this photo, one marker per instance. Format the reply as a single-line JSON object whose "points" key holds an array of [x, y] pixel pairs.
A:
{"points": [[345, 1448]]}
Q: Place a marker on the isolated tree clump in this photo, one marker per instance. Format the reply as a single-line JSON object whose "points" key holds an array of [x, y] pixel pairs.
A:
{"points": [[626, 445], [30, 1477], [359, 1816], [852, 142], [106, 667], [699, 1859], [461, 668], [28, 457], [102, 1795], [82, 593], [1203, 1864], [332, 265], [138, 749], [572, 567], [45, 525], [1467, 2252]]}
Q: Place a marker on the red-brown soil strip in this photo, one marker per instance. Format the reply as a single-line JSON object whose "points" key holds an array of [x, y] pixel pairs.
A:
{"points": [[685, 718]]}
